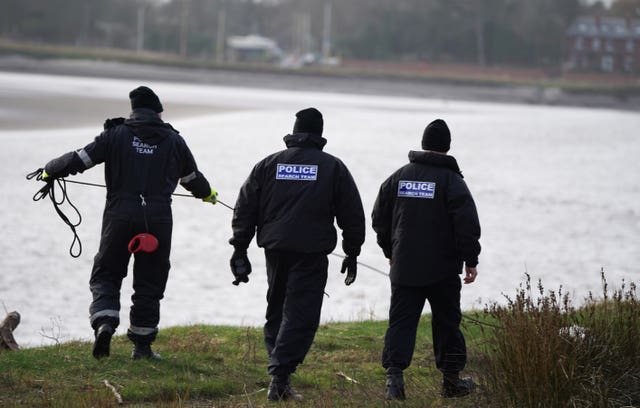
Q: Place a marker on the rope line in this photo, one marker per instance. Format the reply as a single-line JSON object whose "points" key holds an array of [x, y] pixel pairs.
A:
{"points": [[49, 189], [174, 194], [363, 264]]}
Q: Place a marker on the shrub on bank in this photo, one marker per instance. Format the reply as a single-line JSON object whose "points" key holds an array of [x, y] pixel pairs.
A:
{"points": [[543, 352]]}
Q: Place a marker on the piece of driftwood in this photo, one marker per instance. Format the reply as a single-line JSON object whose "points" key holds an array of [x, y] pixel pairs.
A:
{"points": [[346, 377], [8, 325], [114, 391]]}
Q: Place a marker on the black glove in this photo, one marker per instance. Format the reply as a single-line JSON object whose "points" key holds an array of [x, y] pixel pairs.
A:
{"points": [[240, 266], [349, 264]]}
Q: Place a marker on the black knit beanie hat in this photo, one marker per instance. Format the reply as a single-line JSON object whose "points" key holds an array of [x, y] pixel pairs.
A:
{"points": [[436, 137], [143, 97], [308, 121]]}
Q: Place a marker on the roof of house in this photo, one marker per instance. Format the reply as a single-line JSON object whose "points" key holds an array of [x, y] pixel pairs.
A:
{"points": [[252, 42]]}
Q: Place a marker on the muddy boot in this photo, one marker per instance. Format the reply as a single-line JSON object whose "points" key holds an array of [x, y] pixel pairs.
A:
{"points": [[394, 389], [454, 386], [280, 389], [143, 350], [102, 343]]}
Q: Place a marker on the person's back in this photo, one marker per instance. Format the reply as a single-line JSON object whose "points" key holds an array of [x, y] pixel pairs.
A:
{"points": [[291, 199], [144, 159], [431, 236], [138, 152], [427, 226], [311, 192]]}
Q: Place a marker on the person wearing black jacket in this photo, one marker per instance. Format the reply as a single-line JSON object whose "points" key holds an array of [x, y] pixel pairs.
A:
{"points": [[427, 226], [291, 199], [144, 159]]}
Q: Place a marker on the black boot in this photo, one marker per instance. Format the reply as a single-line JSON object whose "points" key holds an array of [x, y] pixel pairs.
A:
{"points": [[280, 389], [394, 388], [102, 342], [143, 350], [454, 386]]}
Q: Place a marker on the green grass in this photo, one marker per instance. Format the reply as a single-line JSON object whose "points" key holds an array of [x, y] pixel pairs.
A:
{"points": [[519, 353], [223, 366]]}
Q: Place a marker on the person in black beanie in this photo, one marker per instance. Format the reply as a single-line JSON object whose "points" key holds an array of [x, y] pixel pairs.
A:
{"points": [[291, 198], [309, 121], [427, 225], [436, 137], [144, 98], [145, 158]]}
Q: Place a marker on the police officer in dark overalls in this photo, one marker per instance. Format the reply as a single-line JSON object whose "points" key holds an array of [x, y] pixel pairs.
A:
{"points": [[144, 159], [427, 226], [291, 198]]}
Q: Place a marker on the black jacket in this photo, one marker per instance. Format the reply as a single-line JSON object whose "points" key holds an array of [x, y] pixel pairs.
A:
{"points": [[142, 155], [426, 220], [292, 198]]}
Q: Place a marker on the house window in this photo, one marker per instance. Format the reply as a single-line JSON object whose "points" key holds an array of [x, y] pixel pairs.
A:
{"points": [[596, 44], [629, 46], [628, 63], [606, 63], [608, 46]]}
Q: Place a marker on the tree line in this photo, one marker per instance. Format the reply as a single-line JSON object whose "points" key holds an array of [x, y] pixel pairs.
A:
{"points": [[483, 32]]}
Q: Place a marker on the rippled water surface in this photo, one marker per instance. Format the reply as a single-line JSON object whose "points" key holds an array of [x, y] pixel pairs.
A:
{"points": [[557, 191]]}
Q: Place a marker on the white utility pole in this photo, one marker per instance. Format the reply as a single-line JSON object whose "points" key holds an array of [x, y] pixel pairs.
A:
{"points": [[220, 36], [140, 29], [326, 31]]}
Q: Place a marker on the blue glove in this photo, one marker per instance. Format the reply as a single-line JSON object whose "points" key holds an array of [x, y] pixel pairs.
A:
{"points": [[211, 198], [350, 265], [240, 266]]}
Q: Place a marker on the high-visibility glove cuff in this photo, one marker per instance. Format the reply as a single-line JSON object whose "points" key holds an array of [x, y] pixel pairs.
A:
{"points": [[211, 198]]}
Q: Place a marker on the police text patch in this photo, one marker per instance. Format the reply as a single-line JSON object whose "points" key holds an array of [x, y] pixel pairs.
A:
{"points": [[416, 189], [306, 172]]}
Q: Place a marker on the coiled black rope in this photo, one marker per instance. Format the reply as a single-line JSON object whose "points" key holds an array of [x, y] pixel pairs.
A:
{"points": [[49, 189]]}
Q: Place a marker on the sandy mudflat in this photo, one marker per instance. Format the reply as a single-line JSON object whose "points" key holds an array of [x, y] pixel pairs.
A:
{"points": [[77, 109], [36, 106], [34, 112]]}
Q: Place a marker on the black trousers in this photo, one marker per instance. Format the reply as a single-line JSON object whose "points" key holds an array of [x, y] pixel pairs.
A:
{"points": [[404, 315], [150, 274], [294, 302]]}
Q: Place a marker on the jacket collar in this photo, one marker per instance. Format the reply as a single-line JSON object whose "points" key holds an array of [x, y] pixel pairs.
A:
{"points": [[434, 159], [312, 140], [144, 115]]}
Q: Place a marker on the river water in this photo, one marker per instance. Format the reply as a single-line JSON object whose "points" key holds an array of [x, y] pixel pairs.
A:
{"points": [[557, 190]]}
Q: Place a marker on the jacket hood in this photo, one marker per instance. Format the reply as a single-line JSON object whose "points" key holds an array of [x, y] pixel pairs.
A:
{"points": [[435, 159], [305, 140], [148, 126]]}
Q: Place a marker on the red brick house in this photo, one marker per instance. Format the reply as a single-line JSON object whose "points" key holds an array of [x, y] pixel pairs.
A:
{"points": [[605, 44]]}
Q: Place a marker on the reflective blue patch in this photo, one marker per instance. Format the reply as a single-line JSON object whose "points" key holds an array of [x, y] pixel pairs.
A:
{"points": [[416, 189], [306, 172]]}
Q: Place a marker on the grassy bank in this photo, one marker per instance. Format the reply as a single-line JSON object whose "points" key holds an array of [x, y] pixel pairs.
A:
{"points": [[219, 366], [616, 86], [535, 351]]}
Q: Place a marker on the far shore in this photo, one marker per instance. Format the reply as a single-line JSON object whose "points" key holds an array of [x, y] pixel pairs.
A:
{"points": [[389, 86]]}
